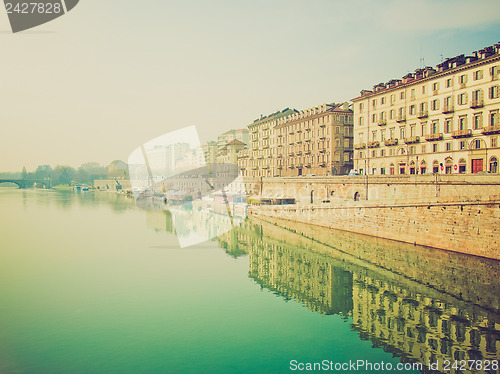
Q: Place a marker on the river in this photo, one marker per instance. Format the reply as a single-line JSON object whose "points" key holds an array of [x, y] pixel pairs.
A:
{"points": [[89, 283]]}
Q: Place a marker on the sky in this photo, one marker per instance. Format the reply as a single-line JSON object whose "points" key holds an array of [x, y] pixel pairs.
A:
{"points": [[96, 83]]}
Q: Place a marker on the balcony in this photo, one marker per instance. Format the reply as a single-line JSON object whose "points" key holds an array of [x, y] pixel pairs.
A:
{"points": [[360, 146], [448, 109], [476, 103], [461, 133], [401, 118], [463, 85], [423, 114], [373, 144], [412, 139], [390, 142], [382, 122], [434, 137], [491, 130]]}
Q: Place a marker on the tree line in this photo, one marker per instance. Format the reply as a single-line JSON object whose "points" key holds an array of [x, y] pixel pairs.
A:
{"points": [[67, 175]]}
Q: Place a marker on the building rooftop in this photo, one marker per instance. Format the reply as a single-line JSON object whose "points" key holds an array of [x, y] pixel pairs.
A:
{"points": [[420, 74]]}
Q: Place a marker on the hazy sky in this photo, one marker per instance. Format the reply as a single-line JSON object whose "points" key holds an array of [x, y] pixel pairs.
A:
{"points": [[110, 75]]}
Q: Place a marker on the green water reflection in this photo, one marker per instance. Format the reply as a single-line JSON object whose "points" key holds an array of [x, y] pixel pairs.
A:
{"points": [[91, 284]]}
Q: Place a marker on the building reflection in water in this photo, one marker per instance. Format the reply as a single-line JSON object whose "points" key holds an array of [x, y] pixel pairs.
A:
{"points": [[402, 315], [415, 318]]}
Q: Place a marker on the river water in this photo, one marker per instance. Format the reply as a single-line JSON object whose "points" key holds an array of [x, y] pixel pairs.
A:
{"points": [[89, 283]]}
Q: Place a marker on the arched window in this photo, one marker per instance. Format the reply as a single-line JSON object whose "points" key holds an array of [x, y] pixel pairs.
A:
{"points": [[356, 196], [423, 167], [448, 165], [435, 166], [462, 165], [493, 165], [391, 168]]}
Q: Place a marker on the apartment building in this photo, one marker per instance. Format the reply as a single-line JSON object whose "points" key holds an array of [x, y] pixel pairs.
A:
{"points": [[443, 120], [316, 141], [258, 161]]}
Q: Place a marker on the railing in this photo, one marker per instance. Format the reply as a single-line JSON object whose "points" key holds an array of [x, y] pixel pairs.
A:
{"points": [[401, 118], [360, 146], [382, 122], [476, 103], [461, 133], [434, 137], [423, 114], [448, 109], [491, 129], [412, 139], [390, 142], [373, 144]]}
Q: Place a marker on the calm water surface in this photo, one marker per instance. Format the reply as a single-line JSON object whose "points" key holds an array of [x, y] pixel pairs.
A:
{"points": [[91, 284]]}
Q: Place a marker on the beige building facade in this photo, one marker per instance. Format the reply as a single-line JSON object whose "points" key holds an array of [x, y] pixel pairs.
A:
{"points": [[443, 120], [316, 141], [258, 162]]}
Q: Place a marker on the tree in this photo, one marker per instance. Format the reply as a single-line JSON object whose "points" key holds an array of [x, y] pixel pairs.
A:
{"points": [[63, 175]]}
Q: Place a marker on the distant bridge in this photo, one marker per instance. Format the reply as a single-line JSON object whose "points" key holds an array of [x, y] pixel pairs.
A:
{"points": [[26, 183]]}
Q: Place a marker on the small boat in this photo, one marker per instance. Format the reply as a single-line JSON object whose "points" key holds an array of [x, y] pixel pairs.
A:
{"points": [[85, 188]]}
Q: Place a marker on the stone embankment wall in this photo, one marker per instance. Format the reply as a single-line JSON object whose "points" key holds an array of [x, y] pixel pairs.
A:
{"points": [[456, 214]]}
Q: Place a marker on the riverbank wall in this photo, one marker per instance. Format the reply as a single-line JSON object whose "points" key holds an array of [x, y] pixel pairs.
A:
{"points": [[454, 213]]}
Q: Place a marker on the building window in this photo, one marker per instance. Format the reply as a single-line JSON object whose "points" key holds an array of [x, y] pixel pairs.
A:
{"points": [[448, 146], [447, 126], [494, 118], [462, 123], [382, 152], [382, 135], [412, 130], [374, 135], [360, 107], [393, 98], [382, 171], [423, 148], [374, 153], [435, 127], [382, 100], [423, 89], [402, 95], [449, 82], [494, 72], [477, 144], [401, 132], [361, 121], [478, 74], [478, 121], [423, 129], [435, 86], [434, 148], [391, 132], [435, 104], [391, 114], [462, 99], [374, 118], [360, 154], [463, 79], [412, 93], [412, 150], [374, 103], [462, 145], [493, 92], [493, 141], [412, 109]]}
